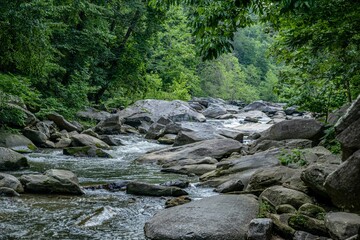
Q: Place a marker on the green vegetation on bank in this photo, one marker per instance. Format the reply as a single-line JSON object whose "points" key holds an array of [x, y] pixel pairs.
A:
{"points": [[63, 55]]}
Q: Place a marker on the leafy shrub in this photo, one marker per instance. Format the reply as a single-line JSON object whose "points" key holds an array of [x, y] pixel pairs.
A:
{"points": [[294, 156]]}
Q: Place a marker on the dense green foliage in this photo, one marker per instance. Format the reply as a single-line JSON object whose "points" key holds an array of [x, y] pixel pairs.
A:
{"points": [[61, 55]]}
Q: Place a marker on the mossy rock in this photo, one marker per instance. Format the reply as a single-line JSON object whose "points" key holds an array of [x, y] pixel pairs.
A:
{"points": [[86, 151], [313, 211], [307, 224], [285, 208], [17, 142]]}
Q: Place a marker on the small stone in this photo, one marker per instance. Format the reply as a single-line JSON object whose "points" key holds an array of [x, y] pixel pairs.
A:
{"points": [[260, 229], [285, 208], [177, 201]]}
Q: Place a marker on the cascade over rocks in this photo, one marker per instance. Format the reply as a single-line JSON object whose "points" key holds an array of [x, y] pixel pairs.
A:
{"points": [[213, 218], [53, 181], [266, 107]]}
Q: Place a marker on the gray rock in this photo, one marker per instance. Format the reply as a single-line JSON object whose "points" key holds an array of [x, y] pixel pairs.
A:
{"points": [[93, 114], [263, 145], [304, 223], [342, 225], [351, 116], [111, 125], [260, 229], [313, 211], [301, 235], [314, 177], [11, 160], [285, 208], [214, 110], [278, 195], [294, 129], [90, 132], [35, 136], [214, 218], [63, 143], [86, 151], [187, 137], [151, 110], [110, 140], [9, 181], [167, 139], [62, 123], [176, 183], [266, 107], [145, 189], [9, 192], [230, 133], [250, 119], [215, 148], [242, 167], [17, 142], [271, 176], [197, 169], [80, 140], [343, 186], [177, 201], [230, 186], [53, 181]]}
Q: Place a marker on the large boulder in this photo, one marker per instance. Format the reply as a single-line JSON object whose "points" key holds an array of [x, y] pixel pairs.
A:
{"points": [[187, 137], [9, 181], [151, 110], [271, 176], [288, 143], [294, 129], [197, 169], [62, 123], [266, 107], [214, 110], [145, 189], [17, 142], [279, 195], [348, 130], [343, 186], [216, 148], [80, 140], [53, 181], [86, 151], [214, 218], [315, 175], [35, 136], [90, 113], [241, 167], [342, 225], [110, 125], [11, 160]]}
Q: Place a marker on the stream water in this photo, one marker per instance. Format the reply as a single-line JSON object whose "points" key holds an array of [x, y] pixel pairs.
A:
{"points": [[99, 214]]}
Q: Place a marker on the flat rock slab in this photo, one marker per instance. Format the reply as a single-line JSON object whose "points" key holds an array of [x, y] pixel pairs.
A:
{"points": [[223, 217], [216, 148]]}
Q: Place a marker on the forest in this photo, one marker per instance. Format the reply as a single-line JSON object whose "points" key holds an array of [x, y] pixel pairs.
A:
{"points": [[62, 55]]}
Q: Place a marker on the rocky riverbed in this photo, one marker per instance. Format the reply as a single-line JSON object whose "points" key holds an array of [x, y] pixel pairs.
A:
{"points": [[224, 171]]}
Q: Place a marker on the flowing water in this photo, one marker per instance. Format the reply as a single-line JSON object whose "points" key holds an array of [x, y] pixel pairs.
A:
{"points": [[99, 214]]}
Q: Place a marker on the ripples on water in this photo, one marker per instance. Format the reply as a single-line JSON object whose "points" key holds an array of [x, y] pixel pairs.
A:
{"points": [[98, 214]]}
